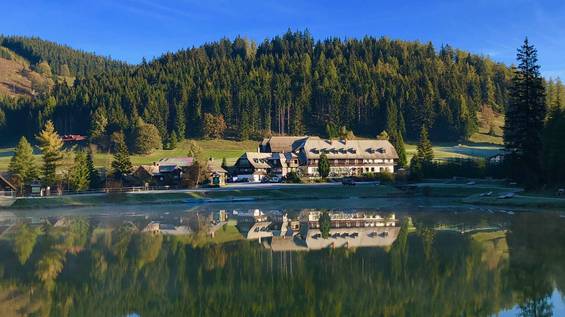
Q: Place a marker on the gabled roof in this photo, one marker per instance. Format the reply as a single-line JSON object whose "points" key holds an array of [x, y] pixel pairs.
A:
{"points": [[285, 158], [280, 143], [176, 161], [150, 169], [5, 183], [256, 159], [215, 167], [348, 149]]}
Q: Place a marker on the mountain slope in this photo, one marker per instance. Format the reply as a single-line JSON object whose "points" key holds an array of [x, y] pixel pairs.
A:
{"points": [[17, 78], [290, 84], [62, 59]]}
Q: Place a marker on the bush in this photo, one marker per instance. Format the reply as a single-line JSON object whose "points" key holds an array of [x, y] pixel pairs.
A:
{"points": [[293, 178], [386, 177]]}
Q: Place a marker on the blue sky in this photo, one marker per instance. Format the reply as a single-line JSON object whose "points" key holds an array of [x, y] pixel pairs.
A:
{"points": [[132, 29]]}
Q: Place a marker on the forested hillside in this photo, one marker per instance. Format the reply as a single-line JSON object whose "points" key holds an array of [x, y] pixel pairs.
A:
{"points": [[288, 85], [61, 59]]}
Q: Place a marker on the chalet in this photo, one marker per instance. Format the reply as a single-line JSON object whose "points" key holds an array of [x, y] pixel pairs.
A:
{"points": [[280, 144], [174, 164], [145, 174], [216, 173], [280, 155], [351, 220], [253, 166], [283, 163], [347, 157]]}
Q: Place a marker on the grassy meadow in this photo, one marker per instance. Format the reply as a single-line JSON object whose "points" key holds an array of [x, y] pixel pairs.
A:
{"points": [[480, 144], [217, 149]]}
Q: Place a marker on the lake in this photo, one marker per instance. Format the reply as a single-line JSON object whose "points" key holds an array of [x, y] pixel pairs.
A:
{"points": [[440, 262]]}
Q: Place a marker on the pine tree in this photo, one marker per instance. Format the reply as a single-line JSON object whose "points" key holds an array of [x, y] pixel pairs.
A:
{"points": [[323, 166], [22, 164], [98, 124], [50, 144], [173, 141], [79, 177], [525, 117], [93, 174], [398, 142], [325, 223], [121, 164], [424, 150]]}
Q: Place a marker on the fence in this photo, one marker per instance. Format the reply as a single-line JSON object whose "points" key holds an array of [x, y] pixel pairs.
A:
{"points": [[133, 189], [7, 193]]}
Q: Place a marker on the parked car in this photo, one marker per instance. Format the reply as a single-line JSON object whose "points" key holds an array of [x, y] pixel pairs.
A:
{"points": [[275, 179]]}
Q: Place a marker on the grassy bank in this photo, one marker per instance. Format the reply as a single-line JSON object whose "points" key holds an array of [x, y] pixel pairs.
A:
{"points": [[283, 193], [519, 200]]}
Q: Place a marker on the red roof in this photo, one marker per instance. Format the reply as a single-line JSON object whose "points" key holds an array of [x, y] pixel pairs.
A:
{"points": [[73, 138]]}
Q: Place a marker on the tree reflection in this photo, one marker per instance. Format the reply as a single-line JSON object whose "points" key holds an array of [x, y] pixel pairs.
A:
{"points": [[78, 270]]}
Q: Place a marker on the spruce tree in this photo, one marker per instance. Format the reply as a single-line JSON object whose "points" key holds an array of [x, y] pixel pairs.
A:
{"points": [[79, 178], [525, 117], [325, 223], [121, 164], [398, 142], [93, 174], [50, 144], [424, 151], [323, 166], [173, 141], [22, 164]]}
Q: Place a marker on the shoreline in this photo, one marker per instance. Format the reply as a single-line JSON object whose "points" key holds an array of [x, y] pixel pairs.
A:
{"points": [[424, 193]]}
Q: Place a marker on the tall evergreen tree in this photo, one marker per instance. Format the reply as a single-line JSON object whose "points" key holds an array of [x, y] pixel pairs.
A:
{"points": [[121, 164], [79, 177], [93, 175], [323, 166], [424, 150], [398, 142], [525, 117], [50, 144], [22, 164]]}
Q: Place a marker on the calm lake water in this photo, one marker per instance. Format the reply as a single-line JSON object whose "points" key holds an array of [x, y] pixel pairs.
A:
{"points": [[95, 262]]}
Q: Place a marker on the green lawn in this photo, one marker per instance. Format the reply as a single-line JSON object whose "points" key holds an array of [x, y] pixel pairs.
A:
{"points": [[450, 150], [231, 150], [217, 149]]}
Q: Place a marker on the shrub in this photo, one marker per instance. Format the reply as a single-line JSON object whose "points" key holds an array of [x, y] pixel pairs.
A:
{"points": [[386, 177], [293, 177]]}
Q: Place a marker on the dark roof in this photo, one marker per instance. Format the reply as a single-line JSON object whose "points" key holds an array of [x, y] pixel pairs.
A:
{"points": [[5, 183], [176, 161], [280, 143]]}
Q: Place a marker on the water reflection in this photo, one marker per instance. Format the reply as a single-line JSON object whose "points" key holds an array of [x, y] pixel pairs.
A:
{"points": [[436, 264]]}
